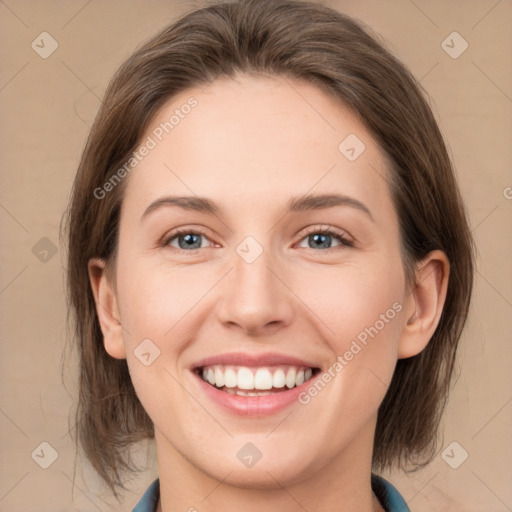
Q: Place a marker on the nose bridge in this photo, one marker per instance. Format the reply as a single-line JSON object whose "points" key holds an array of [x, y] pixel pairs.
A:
{"points": [[254, 299]]}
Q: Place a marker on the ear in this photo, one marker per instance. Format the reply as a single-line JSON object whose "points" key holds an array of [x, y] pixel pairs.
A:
{"points": [[424, 304], [106, 308]]}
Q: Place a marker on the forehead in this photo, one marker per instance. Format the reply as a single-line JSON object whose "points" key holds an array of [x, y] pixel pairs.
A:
{"points": [[255, 138]]}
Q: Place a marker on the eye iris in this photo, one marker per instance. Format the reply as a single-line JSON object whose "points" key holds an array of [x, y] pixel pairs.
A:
{"points": [[319, 238], [191, 241]]}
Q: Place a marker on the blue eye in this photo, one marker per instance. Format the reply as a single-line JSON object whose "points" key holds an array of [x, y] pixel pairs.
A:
{"points": [[323, 239], [186, 240]]}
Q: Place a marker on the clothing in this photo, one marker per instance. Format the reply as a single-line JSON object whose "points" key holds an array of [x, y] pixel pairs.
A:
{"points": [[388, 496], [149, 500]]}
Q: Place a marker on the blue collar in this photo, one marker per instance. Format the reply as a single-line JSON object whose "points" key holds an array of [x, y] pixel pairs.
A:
{"points": [[388, 496]]}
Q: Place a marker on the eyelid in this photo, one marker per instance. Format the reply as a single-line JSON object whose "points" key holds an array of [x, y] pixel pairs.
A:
{"points": [[342, 235], [170, 235], [344, 238]]}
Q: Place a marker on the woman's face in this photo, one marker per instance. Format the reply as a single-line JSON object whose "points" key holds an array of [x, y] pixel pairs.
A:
{"points": [[254, 291]]}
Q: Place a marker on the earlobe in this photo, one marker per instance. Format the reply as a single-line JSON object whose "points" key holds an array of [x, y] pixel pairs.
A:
{"points": [[106, 308], [424, 304]]}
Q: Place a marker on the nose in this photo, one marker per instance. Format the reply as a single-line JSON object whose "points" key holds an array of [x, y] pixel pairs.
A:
{"points": [[255, 297]]}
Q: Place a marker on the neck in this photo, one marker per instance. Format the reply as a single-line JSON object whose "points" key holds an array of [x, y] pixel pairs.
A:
{"points": [[342, 485]]}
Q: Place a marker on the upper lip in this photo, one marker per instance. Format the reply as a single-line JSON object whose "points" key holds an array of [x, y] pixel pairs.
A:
{"points": [[246, 359]]}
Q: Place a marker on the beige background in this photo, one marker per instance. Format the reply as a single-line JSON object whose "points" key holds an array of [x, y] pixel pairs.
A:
{"points": [[47, 106]]}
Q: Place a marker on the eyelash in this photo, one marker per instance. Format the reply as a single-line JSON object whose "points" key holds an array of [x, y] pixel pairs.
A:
{"points": [[328, 231], [344, 242]]}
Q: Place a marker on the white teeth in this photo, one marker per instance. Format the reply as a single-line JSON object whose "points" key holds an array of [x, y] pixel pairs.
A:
{"points": [[261, 379], [245, 378], [230, 379], [247, 393], [290, 378], [219, 377], [278, 379]]}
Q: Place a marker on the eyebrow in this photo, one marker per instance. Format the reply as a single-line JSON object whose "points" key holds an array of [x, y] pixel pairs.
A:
{"points": [[296, 204]]}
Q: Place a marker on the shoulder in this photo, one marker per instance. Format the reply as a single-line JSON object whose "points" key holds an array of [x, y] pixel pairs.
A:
{"points": [[150, 498], [388, 495]]}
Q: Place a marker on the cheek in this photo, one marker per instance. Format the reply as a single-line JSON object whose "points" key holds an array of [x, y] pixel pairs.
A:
{"points": [[359, 311], [350, 300], [361, 319], [156, 300]]}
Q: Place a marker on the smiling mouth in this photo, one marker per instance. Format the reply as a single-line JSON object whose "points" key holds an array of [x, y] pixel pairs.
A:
{"points": [[255, 381]]}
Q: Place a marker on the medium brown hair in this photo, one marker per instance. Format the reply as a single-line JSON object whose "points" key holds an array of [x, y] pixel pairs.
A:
{"points": [[299, 40]]}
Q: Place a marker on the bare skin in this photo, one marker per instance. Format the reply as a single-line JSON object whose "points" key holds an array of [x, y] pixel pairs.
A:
{"points": [[251, 145]]}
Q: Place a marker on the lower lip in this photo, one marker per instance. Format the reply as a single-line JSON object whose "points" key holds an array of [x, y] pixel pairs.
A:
{"points": [[253, 405]]}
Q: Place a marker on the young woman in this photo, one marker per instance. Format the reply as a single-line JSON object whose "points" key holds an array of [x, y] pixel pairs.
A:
{"points": [[269, 265]]}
